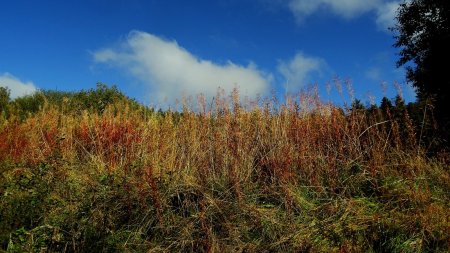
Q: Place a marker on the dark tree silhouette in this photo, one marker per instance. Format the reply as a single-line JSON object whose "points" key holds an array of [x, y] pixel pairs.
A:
{"points": [[423, 35], [386, 107]]}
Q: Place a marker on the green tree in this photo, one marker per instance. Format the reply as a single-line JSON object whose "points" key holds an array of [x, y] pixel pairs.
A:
{"points": [[386, 107], [357, 105], [4, 98], [423, 35], [404, 121], [28, 104]]}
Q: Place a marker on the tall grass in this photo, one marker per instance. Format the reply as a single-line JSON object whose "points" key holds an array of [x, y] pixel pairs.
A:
{"points": [[301, 176]]}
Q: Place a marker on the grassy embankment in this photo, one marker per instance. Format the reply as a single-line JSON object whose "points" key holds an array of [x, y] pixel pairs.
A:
{"points": [[296, 177]]}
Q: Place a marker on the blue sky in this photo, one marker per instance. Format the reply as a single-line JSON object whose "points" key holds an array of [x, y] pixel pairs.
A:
{"points": [[158, 51]]}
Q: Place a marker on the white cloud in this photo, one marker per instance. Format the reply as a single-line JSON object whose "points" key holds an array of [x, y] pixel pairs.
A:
{"points": [[385, 11], [343, 8], [299, 70], [386, 14], [171, 72], [17, 87]]}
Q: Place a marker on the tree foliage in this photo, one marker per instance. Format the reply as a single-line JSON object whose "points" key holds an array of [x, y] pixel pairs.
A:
{"points": [[423, 35], [92, 100], [4, 98]]}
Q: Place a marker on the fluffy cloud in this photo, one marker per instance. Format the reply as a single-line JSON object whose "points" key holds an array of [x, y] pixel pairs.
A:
{"points": [[384, 10], [171, 72], [17, 87], [299, 70]]}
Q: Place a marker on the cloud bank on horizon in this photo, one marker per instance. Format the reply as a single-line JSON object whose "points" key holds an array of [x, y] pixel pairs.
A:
{"points": [[17, 87], [385, 11]]}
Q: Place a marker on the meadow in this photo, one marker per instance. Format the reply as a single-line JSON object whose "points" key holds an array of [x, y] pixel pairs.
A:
{"points": [[97, 172]]}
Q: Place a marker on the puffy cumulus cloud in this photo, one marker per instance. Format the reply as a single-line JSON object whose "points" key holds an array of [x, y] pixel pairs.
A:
{"points": [[299, 70], [171, 72], [17, 87], [385, 10]]}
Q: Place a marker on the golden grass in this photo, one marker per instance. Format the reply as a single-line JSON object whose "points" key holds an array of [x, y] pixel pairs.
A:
{"points": [[263, 176]]}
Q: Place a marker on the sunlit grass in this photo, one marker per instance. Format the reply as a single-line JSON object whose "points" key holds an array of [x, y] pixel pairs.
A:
{"points": [[224, 177]]}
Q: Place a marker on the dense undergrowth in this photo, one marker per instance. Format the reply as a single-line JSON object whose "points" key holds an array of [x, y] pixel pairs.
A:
{"points": [[302, 176]]}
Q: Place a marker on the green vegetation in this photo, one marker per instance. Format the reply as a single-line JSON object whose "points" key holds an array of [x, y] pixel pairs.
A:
{"points": [[94, 171]]}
